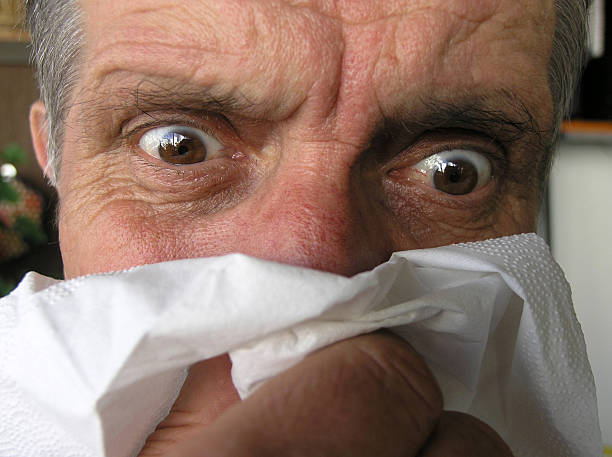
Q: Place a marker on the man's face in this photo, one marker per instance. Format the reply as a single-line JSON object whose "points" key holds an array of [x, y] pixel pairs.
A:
{"points": [[323, 133]]}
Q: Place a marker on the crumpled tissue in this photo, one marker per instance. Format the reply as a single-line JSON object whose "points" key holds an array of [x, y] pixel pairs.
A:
{"points": [[89, 366]]}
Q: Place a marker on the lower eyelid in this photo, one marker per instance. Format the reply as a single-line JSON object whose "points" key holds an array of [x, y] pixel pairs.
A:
{"points": [[410, 196], [196, 180]]}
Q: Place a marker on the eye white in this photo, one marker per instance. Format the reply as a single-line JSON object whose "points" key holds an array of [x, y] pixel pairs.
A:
{"points": [[151, 141], [437, 162]]}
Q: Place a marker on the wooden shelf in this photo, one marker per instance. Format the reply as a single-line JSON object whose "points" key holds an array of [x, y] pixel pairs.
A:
{"points": [[586, 127], [583, 131], [14, 53]]}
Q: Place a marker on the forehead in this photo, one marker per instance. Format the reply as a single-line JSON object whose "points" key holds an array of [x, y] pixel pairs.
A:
{"points": [[280, 53]]}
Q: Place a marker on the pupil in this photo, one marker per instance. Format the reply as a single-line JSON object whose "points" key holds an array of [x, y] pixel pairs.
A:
{"points": [[182, 149], [455, 174]]}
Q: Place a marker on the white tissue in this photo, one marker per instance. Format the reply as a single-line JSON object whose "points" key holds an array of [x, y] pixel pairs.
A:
{"points": [[89, 366]]}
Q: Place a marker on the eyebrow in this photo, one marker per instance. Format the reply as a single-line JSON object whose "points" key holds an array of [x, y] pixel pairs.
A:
{"points": [[187, 97], [482, 113], [149, 95], [479, 113]]}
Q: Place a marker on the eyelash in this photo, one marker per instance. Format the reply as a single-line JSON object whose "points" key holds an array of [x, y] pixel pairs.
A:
{"points": [[435, 142], [212, 124]]}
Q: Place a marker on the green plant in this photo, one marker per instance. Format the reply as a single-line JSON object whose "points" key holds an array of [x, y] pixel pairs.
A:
{"points": [[20, 207]]}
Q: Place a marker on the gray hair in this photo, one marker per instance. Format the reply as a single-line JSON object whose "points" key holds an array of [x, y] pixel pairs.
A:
{"points": [[57, 33], [568, 56]]}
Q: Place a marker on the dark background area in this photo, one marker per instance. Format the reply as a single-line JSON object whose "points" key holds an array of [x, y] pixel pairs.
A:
{"points": [[594, 99]]}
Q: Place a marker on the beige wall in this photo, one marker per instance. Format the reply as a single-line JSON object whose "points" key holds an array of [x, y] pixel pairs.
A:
{"points": [[581, 239]]}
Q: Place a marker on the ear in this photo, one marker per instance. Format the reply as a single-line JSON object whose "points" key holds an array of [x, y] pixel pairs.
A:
{"points": [[40, 135]]}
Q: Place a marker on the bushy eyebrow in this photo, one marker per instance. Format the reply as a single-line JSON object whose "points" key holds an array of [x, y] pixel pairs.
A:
{"points": [[476, 113], [123, 100], [186, 98]]}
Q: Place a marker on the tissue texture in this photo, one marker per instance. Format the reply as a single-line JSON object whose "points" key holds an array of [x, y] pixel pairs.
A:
{"points": [[89, 366]]}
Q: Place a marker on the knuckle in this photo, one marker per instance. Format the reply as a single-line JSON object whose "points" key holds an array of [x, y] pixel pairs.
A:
{"points": [[393, 360], [174, 430], [406, 381], [469, 432]]}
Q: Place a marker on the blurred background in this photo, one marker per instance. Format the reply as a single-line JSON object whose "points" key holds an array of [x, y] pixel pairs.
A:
{"points": [[28, 237], [576, 220], [580, 207]]}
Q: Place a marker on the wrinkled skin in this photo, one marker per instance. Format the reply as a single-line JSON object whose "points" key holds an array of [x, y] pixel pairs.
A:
{"points": [[323, 108]]}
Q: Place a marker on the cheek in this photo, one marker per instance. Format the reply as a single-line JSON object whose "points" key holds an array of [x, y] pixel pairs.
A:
{"points": [[434, 219], [107, 222], [518, 214], [127, 233], [116, 238]]}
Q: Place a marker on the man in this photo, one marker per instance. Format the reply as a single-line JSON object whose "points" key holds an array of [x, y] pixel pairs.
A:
{"points": [[325, 134]]}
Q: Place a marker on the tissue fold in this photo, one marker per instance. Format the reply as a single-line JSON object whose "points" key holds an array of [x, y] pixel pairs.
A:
{"points": [[89, 366]]}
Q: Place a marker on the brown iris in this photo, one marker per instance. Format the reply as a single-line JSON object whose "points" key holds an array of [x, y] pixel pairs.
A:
{"points": [[455, 177], [180, 149]]}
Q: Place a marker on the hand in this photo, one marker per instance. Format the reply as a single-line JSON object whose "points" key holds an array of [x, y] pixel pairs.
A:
{"points": [[368, 396]]}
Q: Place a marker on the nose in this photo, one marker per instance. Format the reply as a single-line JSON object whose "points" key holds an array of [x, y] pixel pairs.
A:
{"points": [[318, 211]]}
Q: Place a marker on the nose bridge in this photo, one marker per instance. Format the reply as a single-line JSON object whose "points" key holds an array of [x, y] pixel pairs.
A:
{"points": [[314, 208], [309, 214]]}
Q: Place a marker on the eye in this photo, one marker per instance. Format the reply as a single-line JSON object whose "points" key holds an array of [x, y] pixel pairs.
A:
{"points": [[455, 172], [180, 145]]}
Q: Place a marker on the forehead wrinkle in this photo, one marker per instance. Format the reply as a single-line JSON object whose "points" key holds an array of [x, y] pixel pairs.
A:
{"points": [[363, 12], [140, 34], [473, 47], [187, 22], [274, 54], [508, 21]]}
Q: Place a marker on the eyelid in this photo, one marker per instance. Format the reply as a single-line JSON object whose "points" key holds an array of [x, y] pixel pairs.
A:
{"points": [[430, 162], [437, 141], [209, 124]]}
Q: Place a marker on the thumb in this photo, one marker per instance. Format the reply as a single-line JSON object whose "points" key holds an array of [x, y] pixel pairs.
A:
{"points": [[206, 393]]}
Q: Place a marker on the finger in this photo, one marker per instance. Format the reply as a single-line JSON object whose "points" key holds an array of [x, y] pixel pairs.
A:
{"points": [[459, 434], [206, 393], [370, 395], [208, 390]]}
